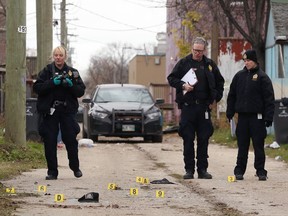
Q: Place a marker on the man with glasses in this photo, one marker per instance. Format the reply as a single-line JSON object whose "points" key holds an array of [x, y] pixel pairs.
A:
{"points": [[199, 84]]}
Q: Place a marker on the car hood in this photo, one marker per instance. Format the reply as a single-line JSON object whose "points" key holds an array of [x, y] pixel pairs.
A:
{"points": [[123, 106]]}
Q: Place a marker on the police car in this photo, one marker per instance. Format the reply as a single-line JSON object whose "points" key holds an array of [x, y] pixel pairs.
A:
{"points": [[122, 110]]}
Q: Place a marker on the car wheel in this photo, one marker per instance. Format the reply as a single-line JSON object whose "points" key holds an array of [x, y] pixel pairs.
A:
{"points": [[147, 138], [157, 138], [94, 138]]}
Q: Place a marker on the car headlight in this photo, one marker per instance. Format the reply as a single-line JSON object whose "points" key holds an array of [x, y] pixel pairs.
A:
{"points": [[154, 115], [97, 114]]}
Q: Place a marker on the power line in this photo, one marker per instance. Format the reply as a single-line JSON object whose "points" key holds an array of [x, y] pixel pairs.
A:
{"points": [[112, 20], [161, 3], [120, 30]]}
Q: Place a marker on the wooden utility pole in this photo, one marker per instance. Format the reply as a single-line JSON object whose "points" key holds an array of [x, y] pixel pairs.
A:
{"points": [[44, 21], [214, 41], [15, 81], [64, 31], [63, 24]]}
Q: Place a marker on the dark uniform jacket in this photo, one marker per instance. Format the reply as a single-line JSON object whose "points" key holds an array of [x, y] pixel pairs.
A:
{"points": [[212, 73], [251, 92], [48, 92]]}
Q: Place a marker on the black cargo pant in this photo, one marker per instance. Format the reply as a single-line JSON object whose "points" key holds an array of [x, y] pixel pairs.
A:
{"points": [[250, 127], [49, 129], [194, 122]]}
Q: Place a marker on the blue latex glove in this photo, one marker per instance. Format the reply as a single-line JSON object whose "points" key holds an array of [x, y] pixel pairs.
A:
{"points": [[57, 80], [69, 81]]}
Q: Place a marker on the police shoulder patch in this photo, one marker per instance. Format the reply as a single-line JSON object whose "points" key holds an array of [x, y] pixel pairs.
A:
{"points": [[210, 68]]}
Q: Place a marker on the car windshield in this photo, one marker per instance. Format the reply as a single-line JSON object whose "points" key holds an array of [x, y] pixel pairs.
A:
{"points": [[105, 95]]}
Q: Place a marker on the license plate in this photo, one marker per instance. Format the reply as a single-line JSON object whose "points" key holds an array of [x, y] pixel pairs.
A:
{"points": [[128, 127]]}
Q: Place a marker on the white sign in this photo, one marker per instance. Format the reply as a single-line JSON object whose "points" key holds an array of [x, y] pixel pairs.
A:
{"points": [[22, 29]]}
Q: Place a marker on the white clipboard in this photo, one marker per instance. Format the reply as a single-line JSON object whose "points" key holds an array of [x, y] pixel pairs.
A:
{"points": [[190, 78]]}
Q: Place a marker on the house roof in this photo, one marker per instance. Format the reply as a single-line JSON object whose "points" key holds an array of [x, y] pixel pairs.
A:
{"points": [[280, 13]]}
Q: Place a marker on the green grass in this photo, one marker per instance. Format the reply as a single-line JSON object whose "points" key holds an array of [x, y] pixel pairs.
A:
{"points": [[13, 161], [223, 137]]}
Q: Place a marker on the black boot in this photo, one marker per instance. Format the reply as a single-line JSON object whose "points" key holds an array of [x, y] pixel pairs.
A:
{"points": [[189, 175], [204, 175]]}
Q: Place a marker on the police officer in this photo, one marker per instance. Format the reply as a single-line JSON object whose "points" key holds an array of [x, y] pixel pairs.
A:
{"points": [[58, 86], [195, 99], [251, 95]]}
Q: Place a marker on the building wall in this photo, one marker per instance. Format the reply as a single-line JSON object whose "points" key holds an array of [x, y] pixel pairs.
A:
{"points": [[2, 36], [230, 57], [276, 53], [146, 69]]}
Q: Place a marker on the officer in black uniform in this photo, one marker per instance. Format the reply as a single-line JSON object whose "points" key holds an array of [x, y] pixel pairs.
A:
{"points": [[251, 95], [58, 86], [195, 99]]}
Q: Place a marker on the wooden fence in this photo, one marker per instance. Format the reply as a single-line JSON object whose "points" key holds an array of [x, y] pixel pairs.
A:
{"points": [[165, 92]]}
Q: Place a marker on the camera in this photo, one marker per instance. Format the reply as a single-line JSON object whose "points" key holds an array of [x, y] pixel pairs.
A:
{"points": [[71, 75], [64, 76]]}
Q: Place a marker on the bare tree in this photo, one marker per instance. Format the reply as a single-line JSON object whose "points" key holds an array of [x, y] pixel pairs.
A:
{"points": [[256, 14], [101, 70], [109, 66], [246, 19], [195, 20]]}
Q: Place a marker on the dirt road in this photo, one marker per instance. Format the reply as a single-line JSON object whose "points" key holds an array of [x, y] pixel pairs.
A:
{"points": [[120, 163]]}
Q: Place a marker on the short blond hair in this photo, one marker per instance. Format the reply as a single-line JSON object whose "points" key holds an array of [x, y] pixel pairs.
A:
{"points": [[61, 49]]}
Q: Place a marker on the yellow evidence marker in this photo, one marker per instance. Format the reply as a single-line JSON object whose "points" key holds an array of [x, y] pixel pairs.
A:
{"points": [[10, 190], [231, 178], [139, 179], [145, 181], [42, 188], [134, 191], [59, 197], [160, 194], [112, 186]]}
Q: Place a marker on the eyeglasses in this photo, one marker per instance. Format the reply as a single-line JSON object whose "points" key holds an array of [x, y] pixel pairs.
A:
{"points": [[198, 51]]}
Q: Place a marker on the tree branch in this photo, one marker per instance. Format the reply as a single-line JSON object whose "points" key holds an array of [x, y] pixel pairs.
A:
{"points": [[234, 22]]}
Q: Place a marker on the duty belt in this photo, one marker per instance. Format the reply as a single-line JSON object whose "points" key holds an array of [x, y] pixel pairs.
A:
{"points": [[197, 101], [58, 103]]}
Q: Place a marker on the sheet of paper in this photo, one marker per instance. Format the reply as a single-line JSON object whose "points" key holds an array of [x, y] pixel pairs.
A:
{"points": [[190, 78]]}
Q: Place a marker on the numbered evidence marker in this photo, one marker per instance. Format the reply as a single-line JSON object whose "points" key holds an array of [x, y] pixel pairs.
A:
{"points": [[112, 186], [59, 197], [145, 181], [139, 179], [10, 190], [160, 194], [231, 178], [42, 188], [142, 180], [134, 191]]}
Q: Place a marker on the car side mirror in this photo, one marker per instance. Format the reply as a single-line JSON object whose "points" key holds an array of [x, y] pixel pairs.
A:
{"points": [[86, 100]]}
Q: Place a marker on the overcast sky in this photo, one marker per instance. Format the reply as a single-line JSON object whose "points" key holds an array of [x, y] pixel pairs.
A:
{"points": [[96, 23]]}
